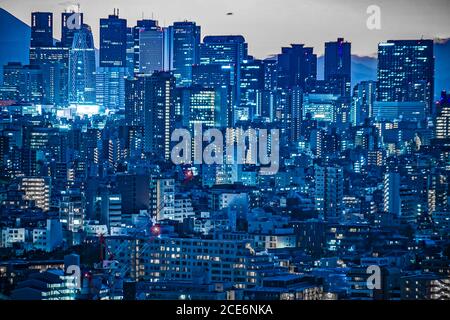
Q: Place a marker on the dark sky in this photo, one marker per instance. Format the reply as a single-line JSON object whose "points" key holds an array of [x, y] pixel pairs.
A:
{"points": [[269, 25]]}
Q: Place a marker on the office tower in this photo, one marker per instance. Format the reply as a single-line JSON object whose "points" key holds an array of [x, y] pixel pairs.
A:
{"points": [[202, 105], [130, 53], [11, 74], [406, 72], [110, 87], [134, 101], [442, 122], [364, 97], [252, 85], [229, 52], [41, 29], [52, 61], [71, 22], [37, 189], [151, 103], [287, 111], [321, 107], [151, 48], [11, 80], [82, 67], [296, 66], [134, 33], [329, 191], [216, 77], [184, 46], [391, 193], [113, 41], [338, 65], [31, 86], [54, 64]]}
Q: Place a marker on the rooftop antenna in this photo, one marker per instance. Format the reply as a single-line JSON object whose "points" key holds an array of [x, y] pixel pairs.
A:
{"points": [[117, 11]]}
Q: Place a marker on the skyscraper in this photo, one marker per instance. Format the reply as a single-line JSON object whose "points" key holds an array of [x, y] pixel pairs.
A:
{"points": [[110, 87], [113, 41], [82, 67], [252, 84], [202, 105], [406, 71], [41, 29], [296, 65], [364, 97], [443, 117], [329, 181], [228, 51], [71, 22], [151, 48], [151, 102], [338, 65], [184, 44], [216, 77]]}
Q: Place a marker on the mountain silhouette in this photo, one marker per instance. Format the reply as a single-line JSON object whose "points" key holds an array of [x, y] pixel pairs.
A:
{"points": [[14, 40]]}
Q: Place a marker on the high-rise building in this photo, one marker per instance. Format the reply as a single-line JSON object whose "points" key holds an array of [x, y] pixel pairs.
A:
{"points": [[41, 29], [329, 191], [228, 51], [31, 86], [252, 85], [296, 66], [71, 22], [151, 102], [202, 105], [338, 65], [216, 77], [82, 67], [151, 48], [113, 41], [364, 97], [110, 87], [184, 46], [406, 72], [442, 124]]}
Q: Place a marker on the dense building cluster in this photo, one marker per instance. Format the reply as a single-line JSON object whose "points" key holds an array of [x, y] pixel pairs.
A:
{"points": [[93, 207]]}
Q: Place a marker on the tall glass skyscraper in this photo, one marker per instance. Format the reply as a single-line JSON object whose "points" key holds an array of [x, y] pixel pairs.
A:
{"points": [[41, 29], [82, 67], [113, 41], [405, 71], [184, 50], [151, 48], [338, 65], [296, 65], [67, 27], [228, 51], [150, 101], [364, 97]]}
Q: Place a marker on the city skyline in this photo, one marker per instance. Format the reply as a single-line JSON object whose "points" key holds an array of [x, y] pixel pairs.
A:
{"points": [[399, 20], [164, 165]]}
